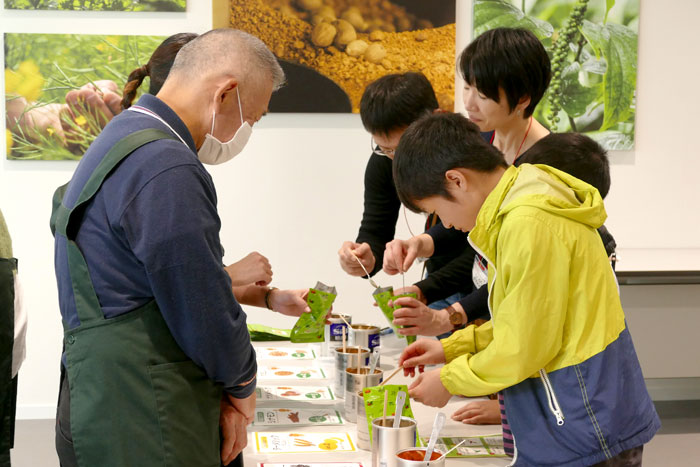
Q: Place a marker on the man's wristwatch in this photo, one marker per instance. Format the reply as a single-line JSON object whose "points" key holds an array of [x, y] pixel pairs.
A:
{"points": [[456, 318]]}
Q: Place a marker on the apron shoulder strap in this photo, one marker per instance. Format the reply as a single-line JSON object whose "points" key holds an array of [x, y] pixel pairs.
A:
{"points": [[62, 219]]}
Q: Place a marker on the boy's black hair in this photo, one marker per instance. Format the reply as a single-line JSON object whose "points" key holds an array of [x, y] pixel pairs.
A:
{"points": [[433, 145], [509, 58], [575, 154], [395, 101]]}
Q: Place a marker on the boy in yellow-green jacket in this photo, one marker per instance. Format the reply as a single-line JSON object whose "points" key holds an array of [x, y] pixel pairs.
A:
{"points": [[557, 344]]}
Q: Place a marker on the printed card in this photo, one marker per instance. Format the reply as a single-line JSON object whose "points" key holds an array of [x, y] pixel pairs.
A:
{"points": [[294, 393], [299, 417], [285, 353], [290, 372], [473, 446], [289, 443], [325, 464]]}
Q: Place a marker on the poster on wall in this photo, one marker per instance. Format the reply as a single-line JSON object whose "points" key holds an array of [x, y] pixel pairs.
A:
{"points": [[44, 120], [593, 48], [97, 5], [331, 49]]}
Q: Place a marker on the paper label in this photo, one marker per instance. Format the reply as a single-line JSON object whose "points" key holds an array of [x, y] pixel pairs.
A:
{"points": [[294, 393], [289, 443], [290, 372], [296, 417]]}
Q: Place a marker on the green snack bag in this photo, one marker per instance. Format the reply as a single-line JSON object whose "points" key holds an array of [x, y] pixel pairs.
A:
{"points": [[311, 326], [374, 404], [258, 332], [383, 296], [409, 339]]}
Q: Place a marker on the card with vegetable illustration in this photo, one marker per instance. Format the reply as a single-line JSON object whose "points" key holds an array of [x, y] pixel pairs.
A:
{"points": [[472, 446], [289, 442], [285, 353], [294, 393], [325, 464], [298, 417], [290, 372]]}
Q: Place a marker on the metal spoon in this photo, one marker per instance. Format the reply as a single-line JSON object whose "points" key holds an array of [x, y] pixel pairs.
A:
{"points": [[400, 401], [371, 281], [437, 426]]}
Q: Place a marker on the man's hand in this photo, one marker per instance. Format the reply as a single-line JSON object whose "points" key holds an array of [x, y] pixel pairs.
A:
{"points": [[253, 269], [347, 253], [399, 255], [233, 420], [429, 390], [420, 353], [289, 302], [479, 413], [422, 320]]}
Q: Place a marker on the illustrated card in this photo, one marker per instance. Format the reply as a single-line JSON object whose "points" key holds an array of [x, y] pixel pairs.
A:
{"points": [[289, 442], [294, 393], [298, 417], [285, 353], [290, 372]]}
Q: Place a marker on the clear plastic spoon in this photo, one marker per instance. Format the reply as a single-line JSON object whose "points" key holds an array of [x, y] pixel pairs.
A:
{"points": [[437, 426], [400, 401]]}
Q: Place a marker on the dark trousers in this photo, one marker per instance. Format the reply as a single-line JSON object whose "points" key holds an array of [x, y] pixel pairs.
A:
{"points": [[64, 440], [8, 409], [629, 458]]}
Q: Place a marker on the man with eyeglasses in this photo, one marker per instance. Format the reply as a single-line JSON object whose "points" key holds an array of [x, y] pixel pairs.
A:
{"points": [[388, 106]]}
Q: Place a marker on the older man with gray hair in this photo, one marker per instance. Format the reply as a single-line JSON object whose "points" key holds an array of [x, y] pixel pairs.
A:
{"points": [[158, 369]]}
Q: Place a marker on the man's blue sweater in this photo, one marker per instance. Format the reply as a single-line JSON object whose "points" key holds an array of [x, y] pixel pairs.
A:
{"points": [[152, 232]]}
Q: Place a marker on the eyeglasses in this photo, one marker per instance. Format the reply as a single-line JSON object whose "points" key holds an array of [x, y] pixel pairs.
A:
{"points": [[378, 150]]}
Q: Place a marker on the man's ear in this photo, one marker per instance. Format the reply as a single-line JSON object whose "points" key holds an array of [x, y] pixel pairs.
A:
{"points": [[226, 95], [456, 180]]}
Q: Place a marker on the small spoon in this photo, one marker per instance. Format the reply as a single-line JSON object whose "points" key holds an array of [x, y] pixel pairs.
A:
{"points": [[400, 401], [437, 426], [373, 361], [371, 281]]}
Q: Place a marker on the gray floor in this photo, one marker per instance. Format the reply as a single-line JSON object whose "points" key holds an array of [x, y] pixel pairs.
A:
{"points": [[677, 444]]}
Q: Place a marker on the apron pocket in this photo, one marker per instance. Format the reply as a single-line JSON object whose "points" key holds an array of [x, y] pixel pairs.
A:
{"points": [[188, 412]]}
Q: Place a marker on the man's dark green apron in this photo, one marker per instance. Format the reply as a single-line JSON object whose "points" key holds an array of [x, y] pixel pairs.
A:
{"points": [[8, 384], [135, 398]]}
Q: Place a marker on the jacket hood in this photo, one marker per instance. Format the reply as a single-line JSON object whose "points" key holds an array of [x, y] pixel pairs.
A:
{"points": [[542, 187]]}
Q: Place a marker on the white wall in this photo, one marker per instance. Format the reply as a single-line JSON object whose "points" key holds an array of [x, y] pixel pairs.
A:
{"points": [[296, 192]]}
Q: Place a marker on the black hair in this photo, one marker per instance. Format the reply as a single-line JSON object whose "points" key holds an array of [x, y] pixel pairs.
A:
{"points": [[433, 145], [395, 101], [157, 68], [575, 154], [509, 58]]}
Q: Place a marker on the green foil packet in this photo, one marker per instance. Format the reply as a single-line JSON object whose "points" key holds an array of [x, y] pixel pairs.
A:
{"points": [[259, 333], [383, 296], [409, 339], [310, 327], [374, 404]]}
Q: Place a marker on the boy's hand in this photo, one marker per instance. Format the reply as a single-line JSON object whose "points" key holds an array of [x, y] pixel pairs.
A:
{"points": [[420, 353], [429, 390], [422, 320], [399, 255], [479, 413], [347, 253]]}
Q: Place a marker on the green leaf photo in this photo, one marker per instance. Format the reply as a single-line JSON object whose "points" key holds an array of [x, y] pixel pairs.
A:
{"points": [[592, 45], [97, 5]]}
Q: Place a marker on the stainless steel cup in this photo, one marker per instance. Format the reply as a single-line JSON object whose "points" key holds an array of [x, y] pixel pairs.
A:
{"points": [[352, 357], [355, 380], [439, 462], [387, 440], [363, 441], [334, 333], [364, 335]]}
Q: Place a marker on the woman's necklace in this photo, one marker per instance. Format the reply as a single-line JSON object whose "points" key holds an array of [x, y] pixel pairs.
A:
{"points": [[517, 153]]}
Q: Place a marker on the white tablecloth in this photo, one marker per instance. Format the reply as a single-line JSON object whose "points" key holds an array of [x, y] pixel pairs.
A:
{"points": [[391, 349]]}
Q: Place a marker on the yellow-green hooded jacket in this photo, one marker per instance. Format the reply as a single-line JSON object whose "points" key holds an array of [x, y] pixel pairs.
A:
{"points": [[557, 344]]}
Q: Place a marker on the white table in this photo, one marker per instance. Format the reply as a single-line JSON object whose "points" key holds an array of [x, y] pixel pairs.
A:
{"points": [[391, 349]]}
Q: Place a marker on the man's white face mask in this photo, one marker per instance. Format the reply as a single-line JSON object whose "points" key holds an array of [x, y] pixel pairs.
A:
{"points": [[214, 152]]}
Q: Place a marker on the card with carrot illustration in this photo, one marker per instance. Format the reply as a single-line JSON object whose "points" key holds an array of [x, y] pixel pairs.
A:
{"points": [[293, 442]]}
